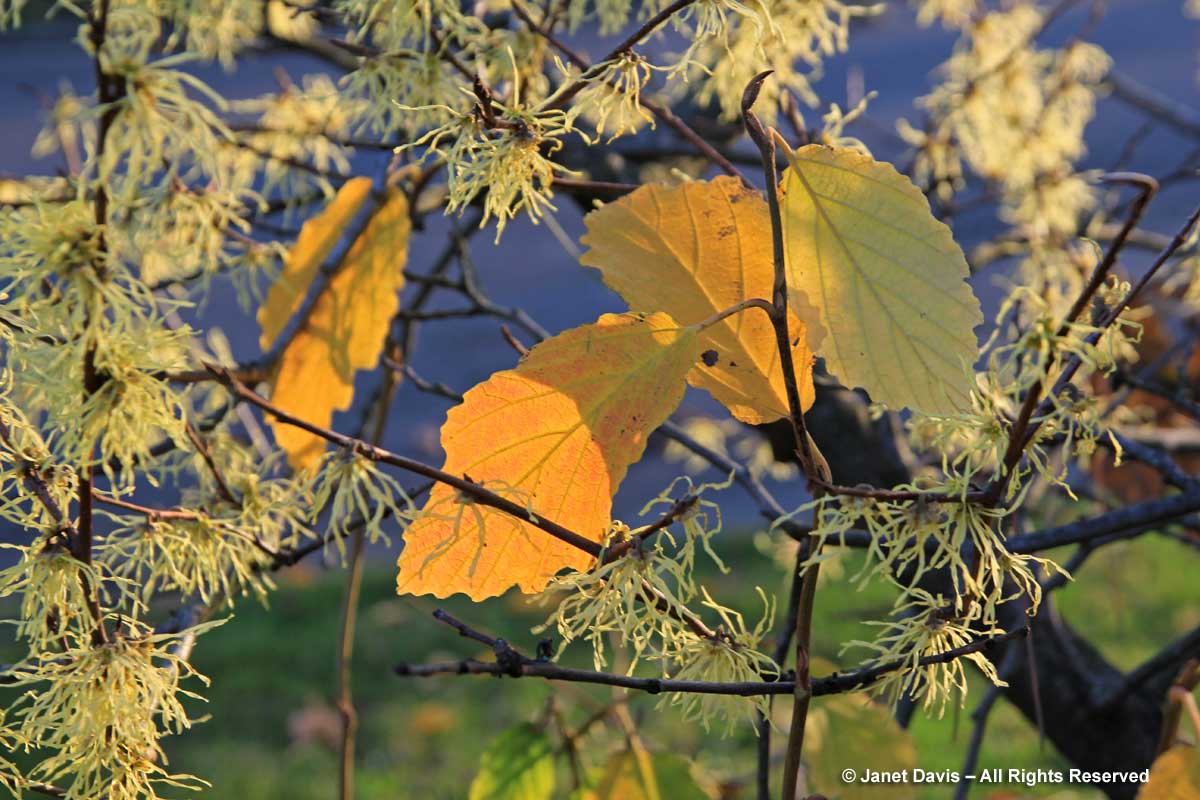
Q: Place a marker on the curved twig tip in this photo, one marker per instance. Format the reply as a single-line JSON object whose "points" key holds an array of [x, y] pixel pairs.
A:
{"points": [[750, 93]]}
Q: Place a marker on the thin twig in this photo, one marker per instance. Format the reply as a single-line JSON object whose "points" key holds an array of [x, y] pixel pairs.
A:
{"points": [[36, 485], [1177, 241], [677, 510], [476, 491], [1187, 679], [592, 71], [109, 91], [473, 490], [811, 461], [344, 695], [146, 511], [511, 663], [979, 717], [599, 187], [783, 643], [512, 341], [180, 515], [206, 454], [892, 495], [1152, 457], [1175, 397], [1164, 109], [429, 387], [768, 506], [1023, 427], [289, 558], [626, 46]]}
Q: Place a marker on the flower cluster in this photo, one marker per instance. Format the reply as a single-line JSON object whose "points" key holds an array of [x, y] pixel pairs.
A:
{"points": [[951, 13], [611, 97], [502, 153], [735, 41], [1031, 348], [101, 708], [301, 124], [638, 599], [925, 625], [358, 496], [941, 524], [1015, 115]]}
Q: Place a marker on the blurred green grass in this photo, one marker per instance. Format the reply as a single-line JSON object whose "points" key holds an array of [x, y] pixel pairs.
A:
{"points": [[272, 730]]}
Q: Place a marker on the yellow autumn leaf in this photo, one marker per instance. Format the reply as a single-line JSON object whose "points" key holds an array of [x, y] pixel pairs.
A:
{"points": [[848, 731], [556, 434], [314, 244], [1175, 775], [887, 278], [344, 331], [693, 250]]}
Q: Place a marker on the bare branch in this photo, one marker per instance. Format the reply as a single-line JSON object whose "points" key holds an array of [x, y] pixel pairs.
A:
{"points": [[1169, 658], [1129, 520], [511, 663], [1163, 109], [590, 72], [1021, 429]]}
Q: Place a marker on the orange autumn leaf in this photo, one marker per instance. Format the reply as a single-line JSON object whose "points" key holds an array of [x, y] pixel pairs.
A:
{"points": [[692, 251], [314, 244], [344, 332], [556, 434]]}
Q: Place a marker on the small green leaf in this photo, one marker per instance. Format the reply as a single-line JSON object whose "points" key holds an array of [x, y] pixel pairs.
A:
{"points": [[518, 765]]}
